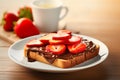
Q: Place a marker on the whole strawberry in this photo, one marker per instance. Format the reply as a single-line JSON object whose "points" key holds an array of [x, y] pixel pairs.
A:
{"points": [[24, 28], [25, 12], [8, 21]]}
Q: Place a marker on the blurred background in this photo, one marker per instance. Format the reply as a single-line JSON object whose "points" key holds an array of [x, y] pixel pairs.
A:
{"points": [[90, 11], [89, 17]]}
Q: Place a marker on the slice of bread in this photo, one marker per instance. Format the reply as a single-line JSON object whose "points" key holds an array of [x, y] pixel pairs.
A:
{"points": [[62, 62]]}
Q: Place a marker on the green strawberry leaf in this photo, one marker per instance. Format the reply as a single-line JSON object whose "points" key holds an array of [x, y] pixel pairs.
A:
{"points": [[25, 12]]}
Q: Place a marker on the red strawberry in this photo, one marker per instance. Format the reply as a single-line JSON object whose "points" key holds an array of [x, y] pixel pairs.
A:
{"points": [[76, 48], [73, 40], [61, 36], [34, 43], [64, 31], [25, 28], [46, 38], [52, 41], [56, 49], [8, 21], [25, 12], [8, 26]]}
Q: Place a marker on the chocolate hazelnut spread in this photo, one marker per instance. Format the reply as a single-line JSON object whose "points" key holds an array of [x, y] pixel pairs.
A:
{"points": [[67, 55]]}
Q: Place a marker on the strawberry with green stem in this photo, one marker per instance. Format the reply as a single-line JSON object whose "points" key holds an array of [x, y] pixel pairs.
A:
{"points": [[25, 12]]}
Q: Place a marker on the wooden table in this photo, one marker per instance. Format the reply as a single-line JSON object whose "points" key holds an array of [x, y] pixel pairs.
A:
{"points": [[105, 27]]}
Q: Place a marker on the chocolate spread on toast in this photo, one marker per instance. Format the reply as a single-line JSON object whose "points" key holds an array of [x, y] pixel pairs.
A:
{"points": [[67, 55]]}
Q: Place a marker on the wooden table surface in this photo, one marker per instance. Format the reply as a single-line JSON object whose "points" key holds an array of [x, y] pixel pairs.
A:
{"points": [[96, 18]]}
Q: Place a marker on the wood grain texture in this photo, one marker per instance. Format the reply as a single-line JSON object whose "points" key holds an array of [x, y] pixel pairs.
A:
{"points": [[10, 37], [107, 70]]}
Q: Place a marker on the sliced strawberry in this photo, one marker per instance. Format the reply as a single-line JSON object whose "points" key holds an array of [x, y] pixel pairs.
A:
{"points": [[56, 49], [52, 41], [76, 48], [73, 40], [64, 31], [34, 43], [46, 38], [61, 36]]}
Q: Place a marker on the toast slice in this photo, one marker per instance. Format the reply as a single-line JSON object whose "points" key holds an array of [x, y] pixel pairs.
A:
{"points": [[65, 60]]}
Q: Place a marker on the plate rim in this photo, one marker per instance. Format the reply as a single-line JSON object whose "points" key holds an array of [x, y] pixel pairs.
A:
{"points": [[61, 70]]}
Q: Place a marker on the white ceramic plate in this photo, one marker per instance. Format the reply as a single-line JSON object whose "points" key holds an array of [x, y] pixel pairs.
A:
{"points": [[16, 54]]}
